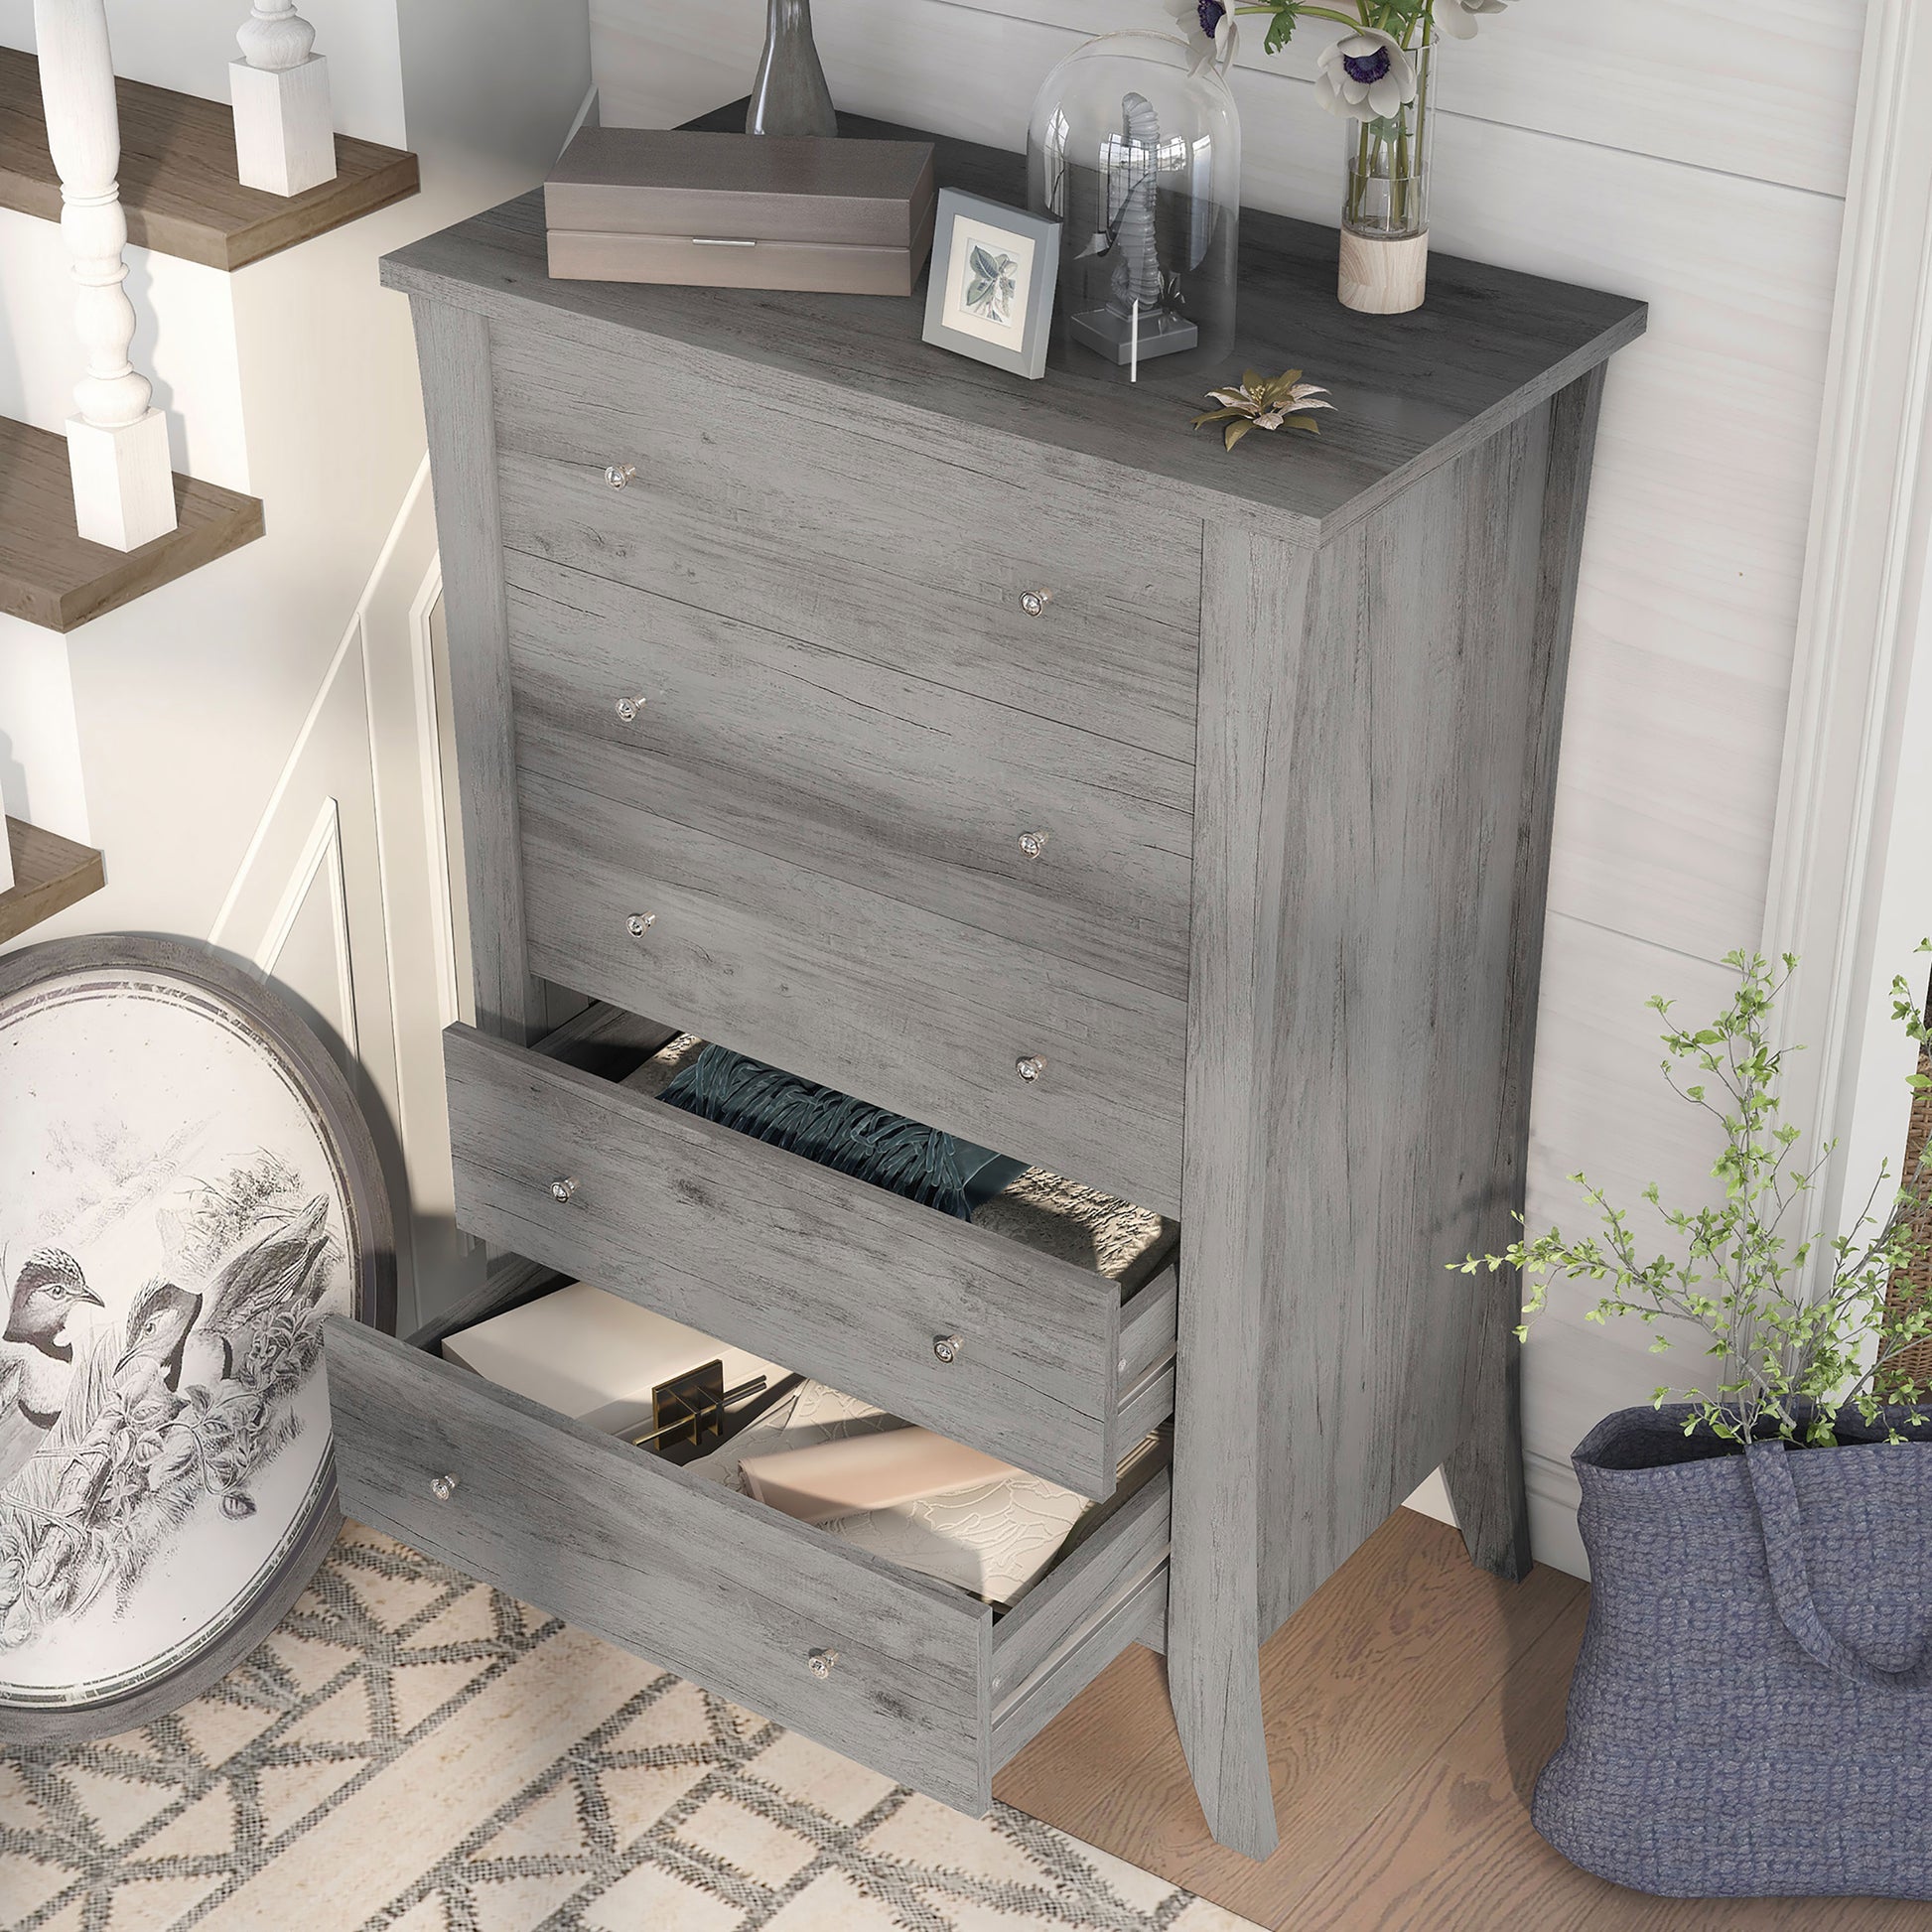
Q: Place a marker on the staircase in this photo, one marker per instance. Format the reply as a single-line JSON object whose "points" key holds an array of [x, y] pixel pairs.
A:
{"points": [[94, 513], [247, 715]]}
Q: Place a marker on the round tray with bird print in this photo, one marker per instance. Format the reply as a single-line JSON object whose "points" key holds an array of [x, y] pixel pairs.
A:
{"points": [[189, 1190]]}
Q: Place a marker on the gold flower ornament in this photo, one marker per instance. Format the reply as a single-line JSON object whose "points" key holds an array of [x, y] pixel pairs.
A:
{"points": [[1264, 402]]}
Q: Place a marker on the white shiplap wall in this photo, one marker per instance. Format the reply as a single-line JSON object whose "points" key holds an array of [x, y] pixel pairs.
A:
{"points": [[1693, 152]]}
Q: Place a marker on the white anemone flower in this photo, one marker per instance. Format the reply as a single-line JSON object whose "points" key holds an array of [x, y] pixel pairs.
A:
{"points": [[1367, 76], [1457, 18], [1193, 17]]}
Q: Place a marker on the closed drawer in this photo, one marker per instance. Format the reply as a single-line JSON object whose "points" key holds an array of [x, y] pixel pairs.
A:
{"points": [[923, 1015], [877, 542], [838, 1280], [1060, 839], [912, 1677]]}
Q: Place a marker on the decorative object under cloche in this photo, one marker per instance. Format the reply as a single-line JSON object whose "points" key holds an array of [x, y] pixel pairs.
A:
{"points": [[1135, 147]]}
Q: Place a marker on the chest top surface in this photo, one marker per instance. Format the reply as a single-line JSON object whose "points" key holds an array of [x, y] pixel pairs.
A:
{"points": [[1409, 391]]}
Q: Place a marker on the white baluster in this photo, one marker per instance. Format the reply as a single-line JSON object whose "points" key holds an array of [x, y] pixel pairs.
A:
{"points": [[5, 857], [117, 446], [284, 132]]}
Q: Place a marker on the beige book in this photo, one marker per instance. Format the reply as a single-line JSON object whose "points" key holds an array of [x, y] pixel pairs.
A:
{"points": [[855, 1473]]}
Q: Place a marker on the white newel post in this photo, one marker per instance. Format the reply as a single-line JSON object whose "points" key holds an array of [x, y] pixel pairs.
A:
{"points": [[284, 132], [117, 446]]}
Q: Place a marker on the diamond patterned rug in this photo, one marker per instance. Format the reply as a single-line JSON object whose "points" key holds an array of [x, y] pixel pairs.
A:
{"points": [[411, 1750]]}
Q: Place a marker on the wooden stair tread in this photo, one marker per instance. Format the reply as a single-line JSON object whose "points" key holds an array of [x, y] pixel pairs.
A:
{"points": [[178, 174], [49, 575], [50, 875]]}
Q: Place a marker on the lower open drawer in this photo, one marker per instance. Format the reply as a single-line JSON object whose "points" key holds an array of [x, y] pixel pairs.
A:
{"points": [[915, 1678]]}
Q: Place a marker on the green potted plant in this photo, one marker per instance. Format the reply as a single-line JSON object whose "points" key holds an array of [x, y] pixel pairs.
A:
{"points": [[1749, 1708]]}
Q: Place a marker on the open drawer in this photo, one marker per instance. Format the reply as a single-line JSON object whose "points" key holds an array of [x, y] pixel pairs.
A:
{"points": [[915, 1678], [980, 1336]]}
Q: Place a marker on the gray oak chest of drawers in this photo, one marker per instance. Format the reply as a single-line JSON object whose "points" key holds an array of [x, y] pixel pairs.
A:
{"points": [[1012, 757]]}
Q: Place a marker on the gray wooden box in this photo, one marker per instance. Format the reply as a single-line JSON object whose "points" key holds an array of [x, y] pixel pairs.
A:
{"points": [[741, 211]]}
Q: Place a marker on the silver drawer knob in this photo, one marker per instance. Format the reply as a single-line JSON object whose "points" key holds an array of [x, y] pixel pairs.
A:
{"points": [[561, 1190], [821, 1663], [629, 708], [1032, 844], [1030, 1066], [640, 923], [442, 1487], [1035, 602], [619, 473], [947, 1347]]}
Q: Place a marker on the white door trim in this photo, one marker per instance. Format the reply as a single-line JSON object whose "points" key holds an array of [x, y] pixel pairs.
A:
{"points": [[1859, 614]]}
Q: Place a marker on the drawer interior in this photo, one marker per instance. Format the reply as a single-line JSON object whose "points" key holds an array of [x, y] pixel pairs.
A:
{"points": [[1056, 1307], [935, 1687]]}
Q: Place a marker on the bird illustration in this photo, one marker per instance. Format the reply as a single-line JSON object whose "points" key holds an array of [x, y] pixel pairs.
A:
{"points": [[157, 1335], [35, 1355], [282, 1265]]}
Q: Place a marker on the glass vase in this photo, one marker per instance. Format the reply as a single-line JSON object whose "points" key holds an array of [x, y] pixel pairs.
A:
{"points": [[789, 95], [1385, 210]]}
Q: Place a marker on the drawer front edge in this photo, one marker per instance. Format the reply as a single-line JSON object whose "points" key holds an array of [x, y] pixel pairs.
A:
{"points": [[776, 1253]]}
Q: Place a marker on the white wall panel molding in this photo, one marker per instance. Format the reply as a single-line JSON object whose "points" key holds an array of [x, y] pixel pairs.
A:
{"points": [[1774, 101], [319, 864], [344, 892], [1768, 94], [1862, 613]]}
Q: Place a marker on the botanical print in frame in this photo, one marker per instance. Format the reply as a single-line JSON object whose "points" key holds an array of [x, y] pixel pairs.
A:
{"points": [[990, 287], [191, 1190], [988, 273]]}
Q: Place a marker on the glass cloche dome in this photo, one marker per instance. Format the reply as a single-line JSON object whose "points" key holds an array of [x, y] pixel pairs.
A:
{"points": [[1135, 147]]}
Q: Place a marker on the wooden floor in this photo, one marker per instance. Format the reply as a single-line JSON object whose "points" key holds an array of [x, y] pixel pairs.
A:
{"points": [[1411, 1704]]}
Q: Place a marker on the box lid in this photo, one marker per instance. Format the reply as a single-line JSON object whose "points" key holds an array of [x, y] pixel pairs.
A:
{"points": [[741, 187]]}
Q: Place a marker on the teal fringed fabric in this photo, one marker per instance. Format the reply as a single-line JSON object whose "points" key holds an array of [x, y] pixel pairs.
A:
{"points": [[839, 1132]]}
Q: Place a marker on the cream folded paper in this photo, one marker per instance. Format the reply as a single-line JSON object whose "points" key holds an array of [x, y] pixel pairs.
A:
{"points": [[841, 1477], [595, 1356], [995, 1539]]}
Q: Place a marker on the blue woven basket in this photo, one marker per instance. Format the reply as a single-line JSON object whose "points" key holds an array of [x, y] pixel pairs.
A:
{"points": [[1750, 1710]]}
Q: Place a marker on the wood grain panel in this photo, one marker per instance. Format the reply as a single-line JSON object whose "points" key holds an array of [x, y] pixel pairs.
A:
{"points": [[1779, 106], [50, 873], [678, 1570], [836, 1279], [178, 181], [1403, 956], [1415, 392], [53, 576], [1138, 1618], [453, 349], [1484, 1471], [1131, 1547], [825, 533], [1255, 637], [888, 781], [875, 998]]}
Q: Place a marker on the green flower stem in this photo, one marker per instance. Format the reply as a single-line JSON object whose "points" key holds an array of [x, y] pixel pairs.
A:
{"points": [[1353, 21]]}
